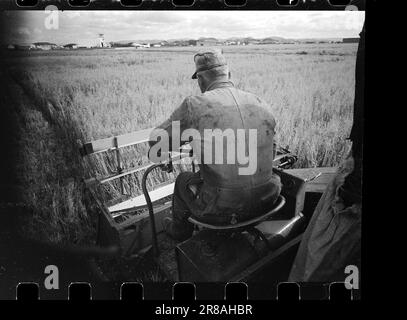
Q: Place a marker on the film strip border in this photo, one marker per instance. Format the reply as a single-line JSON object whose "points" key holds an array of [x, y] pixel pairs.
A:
{"points": [[186, 292], [184, 4], [189, 292]]}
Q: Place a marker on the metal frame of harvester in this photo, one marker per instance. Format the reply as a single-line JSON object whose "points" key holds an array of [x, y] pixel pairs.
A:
{"points": [[266, 246]]}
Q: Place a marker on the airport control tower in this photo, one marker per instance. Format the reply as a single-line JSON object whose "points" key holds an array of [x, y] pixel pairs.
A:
{"points": [[102, 43]]}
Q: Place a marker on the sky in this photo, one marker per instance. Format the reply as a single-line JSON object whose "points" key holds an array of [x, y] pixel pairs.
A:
{"points": [[84, 26]]}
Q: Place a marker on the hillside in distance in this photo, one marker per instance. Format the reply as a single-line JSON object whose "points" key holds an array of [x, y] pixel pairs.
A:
{"points": [[274, 39]]}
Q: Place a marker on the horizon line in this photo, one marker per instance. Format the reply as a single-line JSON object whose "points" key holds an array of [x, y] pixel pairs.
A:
{"points": [[187, 39]]}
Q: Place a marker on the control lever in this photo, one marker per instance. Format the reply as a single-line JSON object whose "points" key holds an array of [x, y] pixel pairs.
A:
{"points": [[168, 167]]}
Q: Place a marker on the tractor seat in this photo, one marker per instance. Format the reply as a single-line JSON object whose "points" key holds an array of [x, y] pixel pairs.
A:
{"points": [[243, 224]]}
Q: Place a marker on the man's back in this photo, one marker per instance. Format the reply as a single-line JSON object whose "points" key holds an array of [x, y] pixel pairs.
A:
{"points": [[232, 136], [233, 139], [245, 129]]}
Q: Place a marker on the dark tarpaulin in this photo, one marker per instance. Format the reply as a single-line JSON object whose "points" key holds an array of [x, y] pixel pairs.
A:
{"points": [[332, 239]]}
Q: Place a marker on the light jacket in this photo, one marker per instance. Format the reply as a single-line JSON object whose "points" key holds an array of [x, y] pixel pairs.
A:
{"points": [[224, 107]]}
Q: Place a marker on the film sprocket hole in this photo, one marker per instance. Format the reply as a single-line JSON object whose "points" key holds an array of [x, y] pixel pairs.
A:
{"points": [[79, 3], [183, 3], [27, 3], [235, 3], [131, 3]]}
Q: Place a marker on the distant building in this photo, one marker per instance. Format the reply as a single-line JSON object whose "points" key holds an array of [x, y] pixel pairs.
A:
{"points": [[88, 43], [102, 43], [140, 45], [209, 42], [24, 47], [71, 46], [44, 45], [350, 40]]}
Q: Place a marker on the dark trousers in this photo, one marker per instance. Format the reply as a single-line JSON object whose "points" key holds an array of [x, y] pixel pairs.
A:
{"points": [[214, 206], [183, 205]]}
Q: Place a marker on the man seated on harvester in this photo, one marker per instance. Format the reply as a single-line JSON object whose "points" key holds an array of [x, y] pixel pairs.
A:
{"points": [[231, 133]]}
